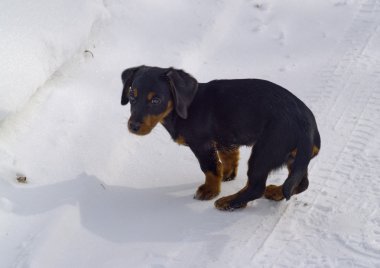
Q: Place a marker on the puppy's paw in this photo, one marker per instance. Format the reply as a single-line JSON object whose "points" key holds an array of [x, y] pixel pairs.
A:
{"points": [[274, 192], [206, 192], [229, 177], [228, 203]]}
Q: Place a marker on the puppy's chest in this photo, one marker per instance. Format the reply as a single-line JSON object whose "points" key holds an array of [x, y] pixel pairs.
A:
{"points": [[189, 131], [175, 132], [181, 135]]}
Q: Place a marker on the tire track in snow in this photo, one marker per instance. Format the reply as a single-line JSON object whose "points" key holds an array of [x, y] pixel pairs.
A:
{"points": [[349, 101], [331, 76]]}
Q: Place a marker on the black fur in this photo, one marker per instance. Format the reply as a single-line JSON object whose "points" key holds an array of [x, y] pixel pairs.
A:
{"points": [[223, 114]]}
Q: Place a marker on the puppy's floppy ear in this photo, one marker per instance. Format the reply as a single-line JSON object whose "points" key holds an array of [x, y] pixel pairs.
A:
{"points": [[184, 87], [127, 78]]}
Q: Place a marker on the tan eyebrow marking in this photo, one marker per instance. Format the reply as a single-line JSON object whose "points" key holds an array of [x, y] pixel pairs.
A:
{"points": [[151, 95], [135, 93]]}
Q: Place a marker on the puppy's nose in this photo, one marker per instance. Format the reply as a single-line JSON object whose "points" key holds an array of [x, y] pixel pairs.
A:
{"points": [[134, 126]]}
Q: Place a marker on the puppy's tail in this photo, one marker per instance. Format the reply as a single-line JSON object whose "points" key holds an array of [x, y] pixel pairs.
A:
{"points": [[299, 169]]}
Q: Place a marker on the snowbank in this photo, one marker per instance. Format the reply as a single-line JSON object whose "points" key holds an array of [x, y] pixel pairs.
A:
{"points": [[37, 37]]}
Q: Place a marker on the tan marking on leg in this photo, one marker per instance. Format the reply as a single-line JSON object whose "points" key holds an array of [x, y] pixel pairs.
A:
{"points": [[314, 152], [230, 161], [274, 192], [211, 187]]}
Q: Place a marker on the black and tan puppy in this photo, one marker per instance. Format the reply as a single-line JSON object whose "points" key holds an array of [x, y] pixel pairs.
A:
{"points": [[217, 117]]}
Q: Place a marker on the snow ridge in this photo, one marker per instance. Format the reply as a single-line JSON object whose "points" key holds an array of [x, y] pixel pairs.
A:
{"points": [[51, 42]]}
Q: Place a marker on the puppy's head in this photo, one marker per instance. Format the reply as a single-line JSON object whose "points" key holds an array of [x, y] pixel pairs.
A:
{"points": [[154, 93]]}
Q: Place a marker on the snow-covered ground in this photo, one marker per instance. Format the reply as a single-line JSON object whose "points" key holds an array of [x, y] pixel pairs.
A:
{"points": [[38, 37], [97, 196]]}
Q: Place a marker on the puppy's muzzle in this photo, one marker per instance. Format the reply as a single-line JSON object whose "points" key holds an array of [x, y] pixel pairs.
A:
{"points": [[134, 126]]}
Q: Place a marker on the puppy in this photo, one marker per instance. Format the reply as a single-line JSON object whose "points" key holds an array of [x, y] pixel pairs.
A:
{"points": [[214, 119]]}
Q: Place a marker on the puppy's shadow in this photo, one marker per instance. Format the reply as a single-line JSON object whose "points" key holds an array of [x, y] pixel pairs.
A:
{"points": [[124, 214]]}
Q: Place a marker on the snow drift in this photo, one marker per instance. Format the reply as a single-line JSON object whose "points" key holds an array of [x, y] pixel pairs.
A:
{"points": [[36, 38]]}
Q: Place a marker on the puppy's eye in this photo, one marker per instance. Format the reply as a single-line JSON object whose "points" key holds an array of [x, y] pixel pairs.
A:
{"points": [[155, 100]]}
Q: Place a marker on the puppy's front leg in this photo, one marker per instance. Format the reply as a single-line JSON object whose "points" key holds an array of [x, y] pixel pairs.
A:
{"points": [[211, 167]]}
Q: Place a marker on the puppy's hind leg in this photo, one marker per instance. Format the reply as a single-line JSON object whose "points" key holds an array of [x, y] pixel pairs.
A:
{"points": [[274, 192], [263, 159]]}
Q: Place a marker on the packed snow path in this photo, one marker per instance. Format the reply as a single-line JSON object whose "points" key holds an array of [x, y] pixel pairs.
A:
{"points": [[344, 198], [98, 196]]}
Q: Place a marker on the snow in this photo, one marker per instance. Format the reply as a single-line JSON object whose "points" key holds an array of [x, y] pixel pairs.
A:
{"points": [[36, 39], [98, 196]]}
